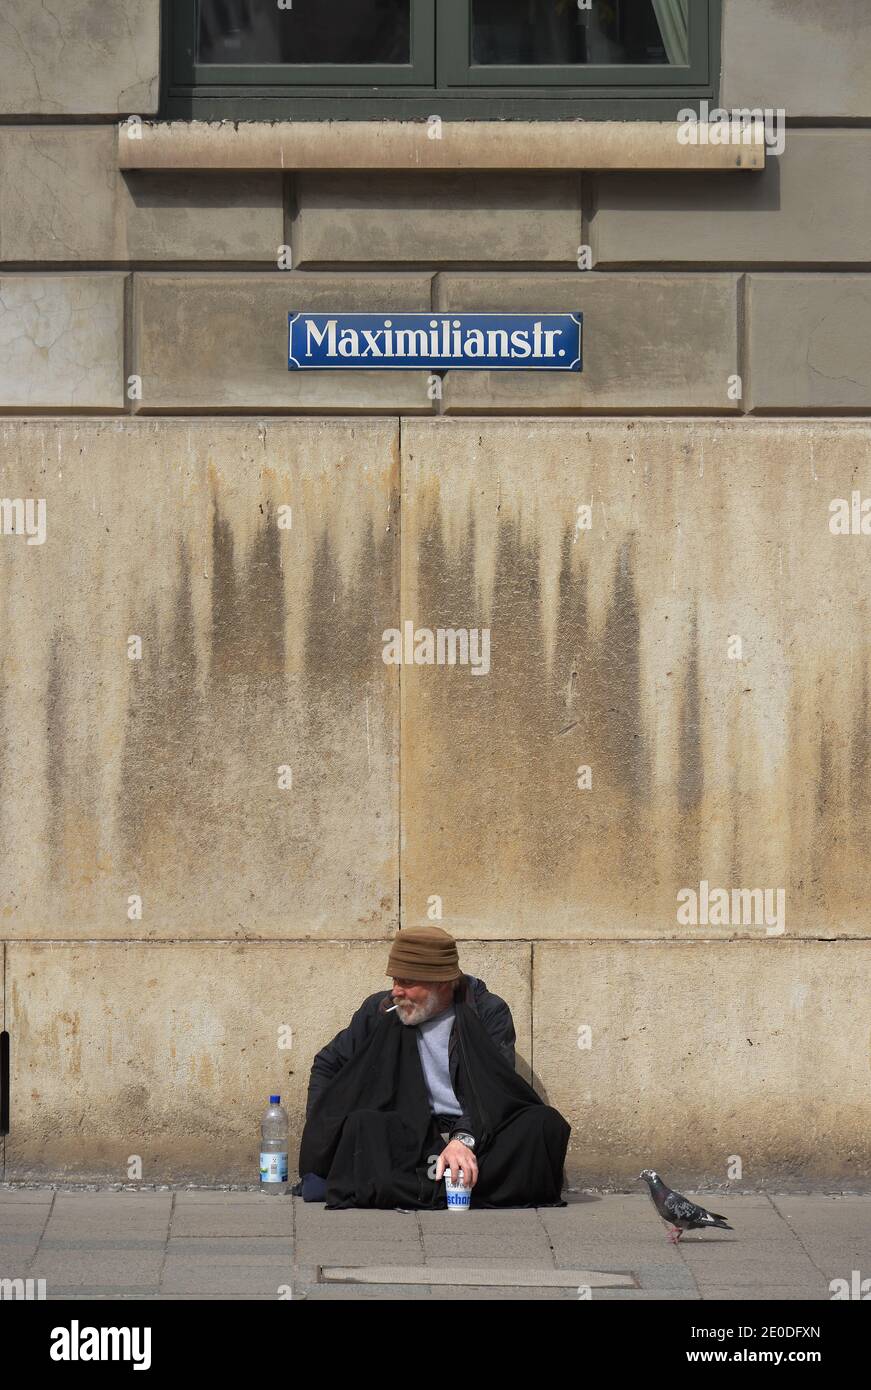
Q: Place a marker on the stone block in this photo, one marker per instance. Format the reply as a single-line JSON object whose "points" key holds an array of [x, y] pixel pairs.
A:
{"points": [[651, 342], [62, 341], [62, 199], [676, 688], [810, 206], [437, 218], [82, 58], [808, 58], [219, 342], [749, 1071], [172, 1050], [810, 342], [195, 709]]}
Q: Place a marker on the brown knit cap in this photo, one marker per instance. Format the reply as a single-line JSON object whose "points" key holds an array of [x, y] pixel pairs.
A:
{"points": [[423, 953]]}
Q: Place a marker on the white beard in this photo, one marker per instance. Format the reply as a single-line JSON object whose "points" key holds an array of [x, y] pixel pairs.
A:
{"points": [[421, 1012]]}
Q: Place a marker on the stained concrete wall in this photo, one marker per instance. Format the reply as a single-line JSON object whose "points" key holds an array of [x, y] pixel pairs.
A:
{"points": [[252, 563], [144, 385], [169, 1052], [261, 648], [698, 639]]}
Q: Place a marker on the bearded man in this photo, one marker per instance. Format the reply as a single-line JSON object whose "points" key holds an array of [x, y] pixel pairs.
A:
{"points": [[422, 1080]]}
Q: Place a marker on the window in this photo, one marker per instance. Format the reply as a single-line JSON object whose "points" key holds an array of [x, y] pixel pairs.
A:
{"points": [[314, 42], [351, 32], [475, 57]]}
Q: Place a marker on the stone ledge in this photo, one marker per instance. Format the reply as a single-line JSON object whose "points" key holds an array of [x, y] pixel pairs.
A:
{"points": [[468, 145]]}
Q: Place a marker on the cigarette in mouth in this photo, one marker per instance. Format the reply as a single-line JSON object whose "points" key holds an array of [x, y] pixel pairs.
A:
{"points": [[390, 1011]]}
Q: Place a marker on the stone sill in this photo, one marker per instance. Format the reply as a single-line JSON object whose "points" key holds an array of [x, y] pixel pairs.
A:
{"points": [[471, 145]]}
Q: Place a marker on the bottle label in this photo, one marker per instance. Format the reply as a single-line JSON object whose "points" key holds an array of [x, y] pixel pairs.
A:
{"points": [[273, 1167]]}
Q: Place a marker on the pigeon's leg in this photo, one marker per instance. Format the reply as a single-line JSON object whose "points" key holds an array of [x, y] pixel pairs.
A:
{"points": [[679, 1234], [673, 1234]]}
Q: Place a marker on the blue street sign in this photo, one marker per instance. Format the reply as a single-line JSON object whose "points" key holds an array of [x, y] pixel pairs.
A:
{"points": [[437, 341]]}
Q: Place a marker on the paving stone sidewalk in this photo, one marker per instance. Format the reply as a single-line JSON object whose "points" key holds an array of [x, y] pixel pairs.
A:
{"points": [[186, 1244]]}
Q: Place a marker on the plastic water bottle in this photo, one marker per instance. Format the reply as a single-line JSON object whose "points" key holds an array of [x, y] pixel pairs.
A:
{"points": [[273, 1149]]}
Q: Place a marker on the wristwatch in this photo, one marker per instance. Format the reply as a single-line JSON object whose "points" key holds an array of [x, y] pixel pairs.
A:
{"points": [[464, 1138]]}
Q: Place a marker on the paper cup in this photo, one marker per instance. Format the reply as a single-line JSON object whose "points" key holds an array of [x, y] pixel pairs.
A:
{"points": [[458, 1195]]}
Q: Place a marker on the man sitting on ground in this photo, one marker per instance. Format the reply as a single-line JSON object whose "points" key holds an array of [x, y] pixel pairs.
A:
{"points": [[421, 1080]]}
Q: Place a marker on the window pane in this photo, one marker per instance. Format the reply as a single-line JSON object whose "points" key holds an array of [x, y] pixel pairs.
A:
{"points": [[531, 32], [312, 31]]}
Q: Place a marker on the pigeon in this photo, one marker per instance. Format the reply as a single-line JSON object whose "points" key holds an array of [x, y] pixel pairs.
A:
{"points": [[678, 1211]]}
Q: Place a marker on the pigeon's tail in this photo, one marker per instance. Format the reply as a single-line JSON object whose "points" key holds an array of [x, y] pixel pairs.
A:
{"points": [[719, 1221]]}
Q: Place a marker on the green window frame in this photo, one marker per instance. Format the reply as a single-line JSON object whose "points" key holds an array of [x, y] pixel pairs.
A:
{"points": [[419, 72], [440, 78], [455, 67]]}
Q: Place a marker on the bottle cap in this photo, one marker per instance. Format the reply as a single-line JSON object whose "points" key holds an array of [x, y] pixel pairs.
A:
{"points": [[274, 1100]]}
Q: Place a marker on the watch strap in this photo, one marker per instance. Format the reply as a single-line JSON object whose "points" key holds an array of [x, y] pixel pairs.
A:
{"points": [[463, 1135]]}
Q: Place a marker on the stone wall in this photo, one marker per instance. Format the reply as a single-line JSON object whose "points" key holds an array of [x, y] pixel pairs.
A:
{"points": [[210, 836]]}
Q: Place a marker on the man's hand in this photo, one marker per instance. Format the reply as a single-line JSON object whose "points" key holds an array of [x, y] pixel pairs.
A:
{"points": [[457, 1156]]}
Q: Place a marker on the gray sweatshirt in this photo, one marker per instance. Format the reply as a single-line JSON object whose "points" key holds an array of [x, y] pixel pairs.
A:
{"points": [[432, 1042]]}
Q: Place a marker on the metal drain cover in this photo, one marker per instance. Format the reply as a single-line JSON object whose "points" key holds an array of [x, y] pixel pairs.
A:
{"points": [[493, 1275]]}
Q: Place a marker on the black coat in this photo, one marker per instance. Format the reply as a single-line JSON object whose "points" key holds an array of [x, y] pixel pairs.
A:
{"points": [[373, 1139], [493, 1012]]}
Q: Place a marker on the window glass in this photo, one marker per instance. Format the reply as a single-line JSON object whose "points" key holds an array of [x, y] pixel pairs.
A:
{"points": [[539, 32], [311, 31]]}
